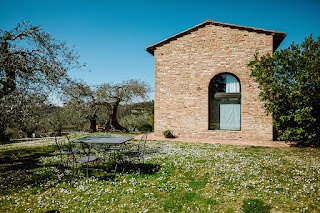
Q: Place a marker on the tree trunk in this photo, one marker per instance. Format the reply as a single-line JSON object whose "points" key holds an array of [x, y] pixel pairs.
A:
{"points": [[3, 136], [28, 131], [9, 85], [108, 125], [58, 132], [114, 120], [29, 134], [93, 125]]}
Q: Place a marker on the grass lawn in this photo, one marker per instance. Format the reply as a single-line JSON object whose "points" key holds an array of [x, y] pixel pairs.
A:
{"points": [[176, 177]]}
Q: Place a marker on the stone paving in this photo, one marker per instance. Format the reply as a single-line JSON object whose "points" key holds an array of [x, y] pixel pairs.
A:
{"points": [[151, 136]]}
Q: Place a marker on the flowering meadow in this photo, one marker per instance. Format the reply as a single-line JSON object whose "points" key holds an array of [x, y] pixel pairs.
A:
{"points": [[175, 177]]}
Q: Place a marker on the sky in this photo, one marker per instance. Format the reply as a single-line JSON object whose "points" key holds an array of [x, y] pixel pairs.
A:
{"points": [[111, 36]]}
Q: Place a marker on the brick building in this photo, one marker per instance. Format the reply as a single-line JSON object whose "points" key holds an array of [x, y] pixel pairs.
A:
{"points": [[203, 87]]}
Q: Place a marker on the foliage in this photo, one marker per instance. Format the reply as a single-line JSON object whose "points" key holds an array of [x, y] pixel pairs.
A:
{"points": [[290, 83], [176, 177], [31, 58], [138, 116], [32, 63], [61, 119], [84, 101], [107, 98], [124, 93], [22, 111], [168, 133]]}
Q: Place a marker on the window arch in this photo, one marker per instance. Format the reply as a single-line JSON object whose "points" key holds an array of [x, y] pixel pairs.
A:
{"points": [[225, 102]]}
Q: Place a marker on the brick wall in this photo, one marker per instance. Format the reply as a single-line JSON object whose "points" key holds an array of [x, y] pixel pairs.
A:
{"points": [[183, 70]]}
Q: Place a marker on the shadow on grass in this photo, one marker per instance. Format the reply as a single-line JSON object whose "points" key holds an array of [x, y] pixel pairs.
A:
{"points": [[138, 168], [26, 162], [109, 173], [23, 159], [21, 168], [255, 206]]}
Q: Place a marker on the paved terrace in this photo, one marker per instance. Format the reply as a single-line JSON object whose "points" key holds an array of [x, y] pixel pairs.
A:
{"points": [[151, 136]]}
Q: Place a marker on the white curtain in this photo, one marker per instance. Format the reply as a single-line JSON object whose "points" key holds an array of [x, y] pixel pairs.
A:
{"points": [[232, 84], [230, 116]]}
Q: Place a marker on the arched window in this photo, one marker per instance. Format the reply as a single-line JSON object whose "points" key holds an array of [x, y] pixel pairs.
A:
{"points": [[225, 102]]}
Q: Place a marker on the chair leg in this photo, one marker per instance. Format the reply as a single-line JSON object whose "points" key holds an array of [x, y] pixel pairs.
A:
{"points": [[114, 171], [115, 168], [87, 170], [96, 165]]}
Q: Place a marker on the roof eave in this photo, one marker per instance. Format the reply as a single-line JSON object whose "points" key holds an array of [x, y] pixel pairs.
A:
{"points": [[277, 36], [152, 48], [277, 39]]}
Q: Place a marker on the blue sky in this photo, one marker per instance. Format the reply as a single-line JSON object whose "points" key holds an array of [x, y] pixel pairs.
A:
{"points": [[111, 35]]}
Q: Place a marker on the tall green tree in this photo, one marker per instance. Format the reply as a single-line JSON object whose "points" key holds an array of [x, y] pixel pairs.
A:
{"points": [[290, 83], [30, 59]]}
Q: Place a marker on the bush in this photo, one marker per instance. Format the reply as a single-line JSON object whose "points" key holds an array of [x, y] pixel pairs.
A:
{"points": [[145, 127], [168, 133], [289, 83]]}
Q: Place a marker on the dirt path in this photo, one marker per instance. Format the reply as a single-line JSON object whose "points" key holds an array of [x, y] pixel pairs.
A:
{"points": [[151, 136]]}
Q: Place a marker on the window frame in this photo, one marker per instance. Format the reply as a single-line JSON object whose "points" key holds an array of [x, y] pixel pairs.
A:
{"points": [[222, 96]]}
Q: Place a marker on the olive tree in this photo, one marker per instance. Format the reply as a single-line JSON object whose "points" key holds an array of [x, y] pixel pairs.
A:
{"points": [[123, 93], [83, 100], [290, 83], [30, 59], [91, 101]]}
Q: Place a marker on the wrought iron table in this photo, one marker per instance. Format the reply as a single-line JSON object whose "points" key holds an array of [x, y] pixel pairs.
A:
{"points": [[107, 143], [107, 140]]}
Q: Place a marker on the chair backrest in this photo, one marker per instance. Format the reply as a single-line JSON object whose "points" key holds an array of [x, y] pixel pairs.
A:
{"points": [[142, 143], [69, 144], [58, 143], [85, 149], [62, 144]]}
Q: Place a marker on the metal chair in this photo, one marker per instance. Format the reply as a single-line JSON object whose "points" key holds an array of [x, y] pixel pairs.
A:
{"points": [[86, 158], [139, 151], [114, 151], [66, 152]]}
